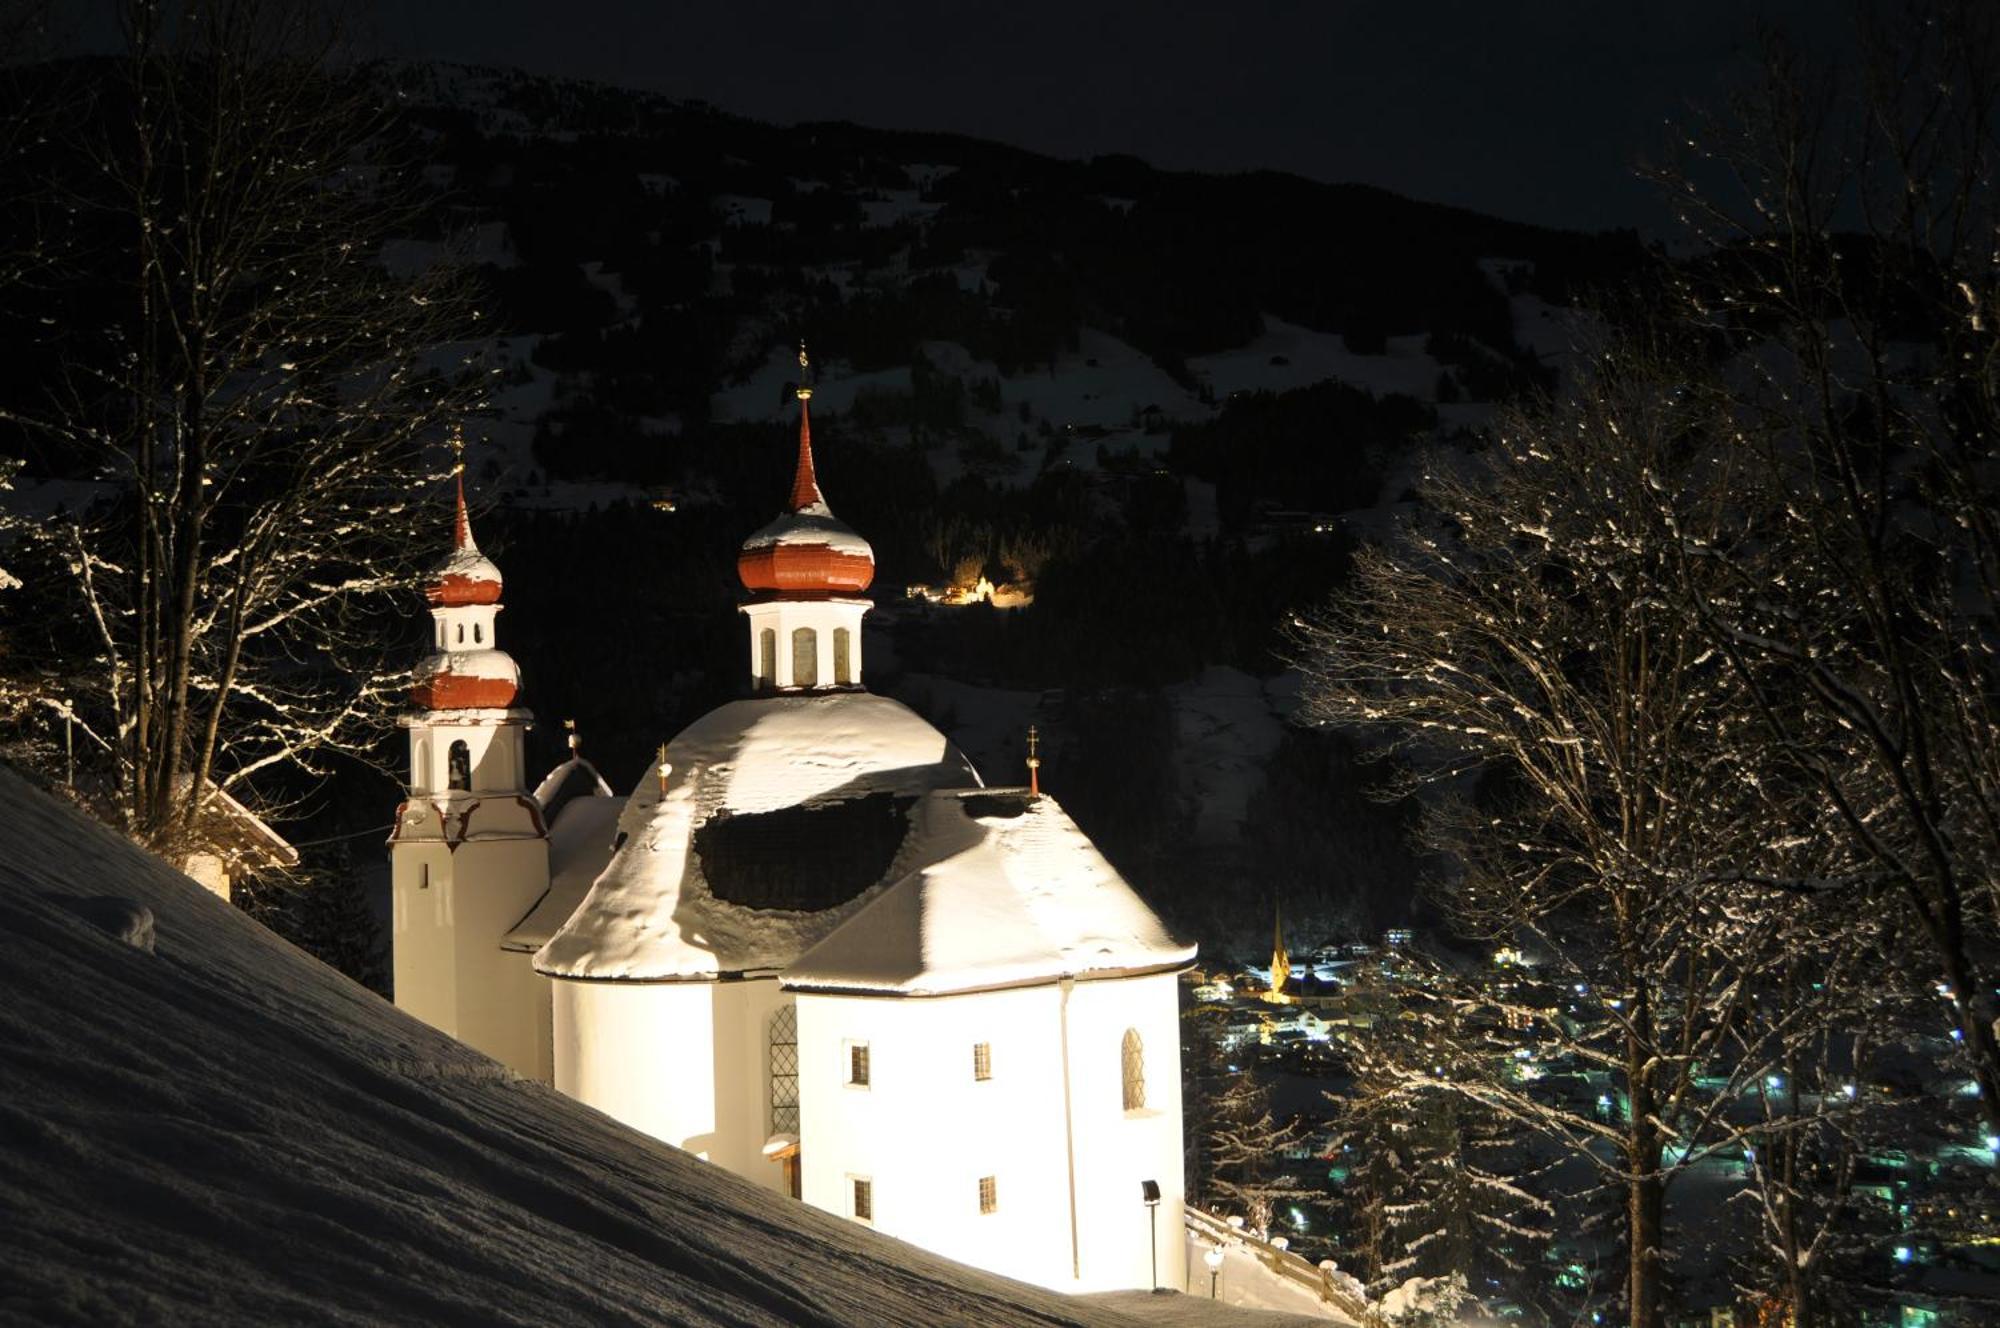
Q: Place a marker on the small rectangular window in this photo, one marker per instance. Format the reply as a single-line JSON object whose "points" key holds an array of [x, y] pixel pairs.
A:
{"points": [[989, 1194], [857, 1064], [864, 1199], [982, 1061]]}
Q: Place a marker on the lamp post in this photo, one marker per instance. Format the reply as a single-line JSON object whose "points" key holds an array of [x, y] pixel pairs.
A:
{"points": [[1149, 1190], [1214, 1261]]}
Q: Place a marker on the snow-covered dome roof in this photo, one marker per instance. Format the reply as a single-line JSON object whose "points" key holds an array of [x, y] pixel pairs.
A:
{"points": [[467, 680], [466, 576], [1010, 892], [808, 550], [780, 816]]}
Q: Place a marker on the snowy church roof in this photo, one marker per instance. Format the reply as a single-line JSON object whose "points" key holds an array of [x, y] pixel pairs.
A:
{"points": [[579, 846], [1010, 892], [781, 814]]}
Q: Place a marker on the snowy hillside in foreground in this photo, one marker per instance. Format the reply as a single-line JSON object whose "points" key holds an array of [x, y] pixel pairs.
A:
{"points": [[201, 1124]]}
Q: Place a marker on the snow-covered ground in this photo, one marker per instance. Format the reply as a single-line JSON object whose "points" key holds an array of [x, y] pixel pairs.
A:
{"points": [[204, 1125]]}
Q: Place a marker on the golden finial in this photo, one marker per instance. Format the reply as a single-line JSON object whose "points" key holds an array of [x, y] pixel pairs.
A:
{"points": [[805, 388], [1034, 762], [665, 769], [455, 435], [574, 741]]}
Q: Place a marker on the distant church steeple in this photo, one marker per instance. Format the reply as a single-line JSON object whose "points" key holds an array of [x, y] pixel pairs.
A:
{"points": [[1281, 963]]}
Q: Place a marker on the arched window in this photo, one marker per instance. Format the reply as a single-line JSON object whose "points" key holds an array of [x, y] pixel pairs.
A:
{"points": [[461, 634], [461, 765], [442, 641], [1133, 1059], [805, 657], [785, 1071], [767, 658], [843, 666], [478, 634]]}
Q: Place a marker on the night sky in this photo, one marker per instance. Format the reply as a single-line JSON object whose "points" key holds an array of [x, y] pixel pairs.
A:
{"points": [[1532, 111]]}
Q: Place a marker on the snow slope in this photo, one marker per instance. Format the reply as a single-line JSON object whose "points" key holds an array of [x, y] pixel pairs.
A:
{"points": [[218, 1129]]}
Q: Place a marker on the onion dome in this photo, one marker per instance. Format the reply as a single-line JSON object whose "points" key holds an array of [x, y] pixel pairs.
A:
{"points": [[807, 552], [466, 576], [467, 680]]}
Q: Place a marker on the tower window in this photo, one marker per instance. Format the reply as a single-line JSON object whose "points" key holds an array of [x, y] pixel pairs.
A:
{"points": [[785, 1071], [478, 634], [1133, 1065], [843, 656], [442, 642], [857, 1064], [805, 657], [989, 1194], [460, 757], [461, 634], [864, 1199], [767, 658], [982, 1061]]}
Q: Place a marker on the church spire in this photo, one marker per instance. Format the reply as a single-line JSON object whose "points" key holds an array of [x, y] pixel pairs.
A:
{"points": [[805, 485], [1281, 962], [462, 527]]}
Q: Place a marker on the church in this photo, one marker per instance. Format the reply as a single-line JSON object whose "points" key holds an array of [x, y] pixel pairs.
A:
{"points": [[812, 947]]}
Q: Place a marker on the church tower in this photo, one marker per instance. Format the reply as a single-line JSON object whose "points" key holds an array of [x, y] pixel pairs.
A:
{"points": [[805, 572], [469, 852]]}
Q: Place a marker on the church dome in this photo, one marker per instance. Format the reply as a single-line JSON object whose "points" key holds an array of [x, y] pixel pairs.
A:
{"points": [[466, 576], [780, 816], [807, 552], [467, 680]]}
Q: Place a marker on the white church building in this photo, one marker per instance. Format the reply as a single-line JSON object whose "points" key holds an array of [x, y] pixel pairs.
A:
{"points": [[812, 947]]}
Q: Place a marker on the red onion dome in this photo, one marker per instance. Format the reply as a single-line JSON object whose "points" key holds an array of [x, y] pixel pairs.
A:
{"points": [[466, 576], [467, 680], [807, 550]]}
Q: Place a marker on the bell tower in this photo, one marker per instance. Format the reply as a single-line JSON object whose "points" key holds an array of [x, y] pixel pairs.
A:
{"points": [[469, 853], [805, 572]]}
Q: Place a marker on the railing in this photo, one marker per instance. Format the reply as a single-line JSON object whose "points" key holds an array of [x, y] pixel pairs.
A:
{"points": [[1326, 1283]]}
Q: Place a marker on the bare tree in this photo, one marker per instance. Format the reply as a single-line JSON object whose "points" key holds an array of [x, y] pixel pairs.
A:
{"points": [[1852, 271], [1531, 632], [250, 411]]}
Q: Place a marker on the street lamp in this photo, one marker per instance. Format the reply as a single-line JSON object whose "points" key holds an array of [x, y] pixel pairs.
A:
{"points": [[1149, 1190], [1214, 1261]]}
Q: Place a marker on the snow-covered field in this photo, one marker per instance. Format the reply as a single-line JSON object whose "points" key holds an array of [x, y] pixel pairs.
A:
{"points": [[203, 1125]]}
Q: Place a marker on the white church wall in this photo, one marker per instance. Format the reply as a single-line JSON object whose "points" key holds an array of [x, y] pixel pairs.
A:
{"points": [[926, 1130], [449, 910], [685, 1062], [1126, 1148], [822, 618]]}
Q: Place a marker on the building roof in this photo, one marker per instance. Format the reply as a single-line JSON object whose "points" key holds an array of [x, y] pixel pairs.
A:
{"points": [[780, 816], [226, 827], [1010, 893], [580, 840]]}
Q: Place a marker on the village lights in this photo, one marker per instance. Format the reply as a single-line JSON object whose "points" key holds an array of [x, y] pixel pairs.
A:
{"points": [[1214, 1261]]}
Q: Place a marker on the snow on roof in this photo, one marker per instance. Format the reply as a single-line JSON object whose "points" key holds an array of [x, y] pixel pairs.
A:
{"points": [[552, 783], [224, 1131], [1012, 892], [814, 525], [653, 916], [579, 846]]}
